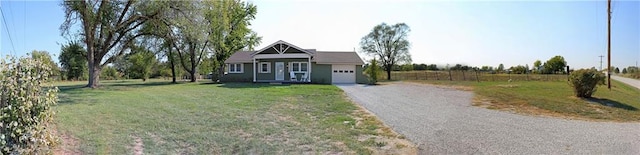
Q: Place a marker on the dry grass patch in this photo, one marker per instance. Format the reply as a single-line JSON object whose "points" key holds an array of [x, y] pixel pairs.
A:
{"points": [[553, 99]]}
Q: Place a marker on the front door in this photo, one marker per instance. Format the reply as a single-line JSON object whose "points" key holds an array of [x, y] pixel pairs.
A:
{"points": [[279, 70]]}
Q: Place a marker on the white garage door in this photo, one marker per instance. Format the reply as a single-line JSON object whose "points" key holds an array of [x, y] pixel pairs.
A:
{"points": [[343, 74]]}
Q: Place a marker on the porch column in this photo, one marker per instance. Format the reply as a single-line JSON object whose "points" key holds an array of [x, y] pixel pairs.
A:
{"points": [[254, 69], [309, 68]]}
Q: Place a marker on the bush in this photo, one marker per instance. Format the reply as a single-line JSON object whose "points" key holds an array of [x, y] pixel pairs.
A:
{"points": [[584, 82], [25, 107], [373, 72]]}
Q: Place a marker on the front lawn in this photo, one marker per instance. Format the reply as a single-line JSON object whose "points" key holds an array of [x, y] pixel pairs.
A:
{"points": [[622, 103], [155, 117]]}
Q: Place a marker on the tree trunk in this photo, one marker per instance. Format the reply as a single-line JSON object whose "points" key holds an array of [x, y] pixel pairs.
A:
{"points": [[173, 66], [220, 72], [194, 67], [94, 75], [193, 75], [389, 72], [94, 70]]}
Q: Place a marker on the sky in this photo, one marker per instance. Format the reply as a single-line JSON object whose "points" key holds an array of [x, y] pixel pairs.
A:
{"points": [[475, 33]]}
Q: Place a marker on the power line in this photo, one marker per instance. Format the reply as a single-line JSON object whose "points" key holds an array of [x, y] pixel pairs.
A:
{"points": [[601, 61], [8, 33]]}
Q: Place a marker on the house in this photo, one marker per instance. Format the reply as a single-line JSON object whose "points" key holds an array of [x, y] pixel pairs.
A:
{"points": [[284, 62]]}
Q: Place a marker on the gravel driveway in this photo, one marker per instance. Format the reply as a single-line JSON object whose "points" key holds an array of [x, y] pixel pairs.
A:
{"points": [[442, 121], [629, 81]]}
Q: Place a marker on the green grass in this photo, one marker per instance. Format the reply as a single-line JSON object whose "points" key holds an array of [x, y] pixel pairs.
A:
{"points": [[622, 103], [200, 118]]}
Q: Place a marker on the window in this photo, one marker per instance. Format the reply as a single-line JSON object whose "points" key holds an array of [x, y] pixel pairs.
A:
{"points": [[299, 66], [235, 68], [265, 67]]}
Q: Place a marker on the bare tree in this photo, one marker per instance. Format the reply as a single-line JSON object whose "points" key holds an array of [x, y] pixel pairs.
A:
{"points": [[389, 43]]}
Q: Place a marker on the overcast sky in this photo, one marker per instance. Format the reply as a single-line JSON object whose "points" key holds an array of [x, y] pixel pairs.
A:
{"points": [[475, 33]]}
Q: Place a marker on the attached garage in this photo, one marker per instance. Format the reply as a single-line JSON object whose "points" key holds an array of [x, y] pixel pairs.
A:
{"points": [[343, 74]]}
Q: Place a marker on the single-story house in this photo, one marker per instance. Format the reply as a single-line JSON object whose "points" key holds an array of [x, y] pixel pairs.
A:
{"points": [[284, 62]]}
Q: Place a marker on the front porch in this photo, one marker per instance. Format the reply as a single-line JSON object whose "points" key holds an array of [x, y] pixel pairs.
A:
{"points": [[281, 62], [290, 70], [282, 81]]}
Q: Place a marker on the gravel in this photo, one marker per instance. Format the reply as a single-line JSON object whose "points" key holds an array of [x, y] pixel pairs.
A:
{"points": [[443, 121], [631, 82]]}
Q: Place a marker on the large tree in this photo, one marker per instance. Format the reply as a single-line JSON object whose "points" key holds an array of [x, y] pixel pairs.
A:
{"points": [[190, 34], [73, 60], [389, 43], [107, 28], [555, 64], [229, 25]]}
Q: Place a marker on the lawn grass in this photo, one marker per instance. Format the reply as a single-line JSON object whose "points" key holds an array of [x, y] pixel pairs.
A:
{"points": [[157, 117], [622, 103]]}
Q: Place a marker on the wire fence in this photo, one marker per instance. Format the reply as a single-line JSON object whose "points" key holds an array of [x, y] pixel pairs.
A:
{"points": [[472, 76]]}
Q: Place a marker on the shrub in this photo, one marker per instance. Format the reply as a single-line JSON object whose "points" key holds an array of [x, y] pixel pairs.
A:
{"points": [[373, 71], [25, 107], [584, 82]]}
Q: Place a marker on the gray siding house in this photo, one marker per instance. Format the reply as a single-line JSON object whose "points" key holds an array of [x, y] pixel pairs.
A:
{"points": [[284, 62]]}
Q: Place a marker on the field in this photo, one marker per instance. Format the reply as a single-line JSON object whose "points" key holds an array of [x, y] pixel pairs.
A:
{"points": [[155, 117], [553, 99], [471, 76]]}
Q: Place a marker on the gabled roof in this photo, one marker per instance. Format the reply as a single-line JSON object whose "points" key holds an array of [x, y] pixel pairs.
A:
{"points": [[281, 42], [320, 57], [240, 57], [327, 57]]}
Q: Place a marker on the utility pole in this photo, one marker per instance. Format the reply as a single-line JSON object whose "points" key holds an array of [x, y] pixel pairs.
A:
{"points": [[609, 44], [601, 61]]}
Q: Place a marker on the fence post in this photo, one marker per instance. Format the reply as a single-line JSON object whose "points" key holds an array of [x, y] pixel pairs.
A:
{"points": [[527, 75], [547, 75], [477, 79], [464, 78], [426, 75], [416, 73], [450, 76], [437, 77]]}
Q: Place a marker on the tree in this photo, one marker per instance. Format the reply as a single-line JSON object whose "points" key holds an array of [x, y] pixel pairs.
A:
{"points": [[432, 67], [73, 60], [230, 30], [108, 27], [536, 66], [406, 67], [372, 71], [206, 66], [624, 70], [617, 70], [188, 33], [500, 68], [109, 73], [142, 60], [45, 58], [390, 43], [518, 69], [420, 66], [555, 64]]}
